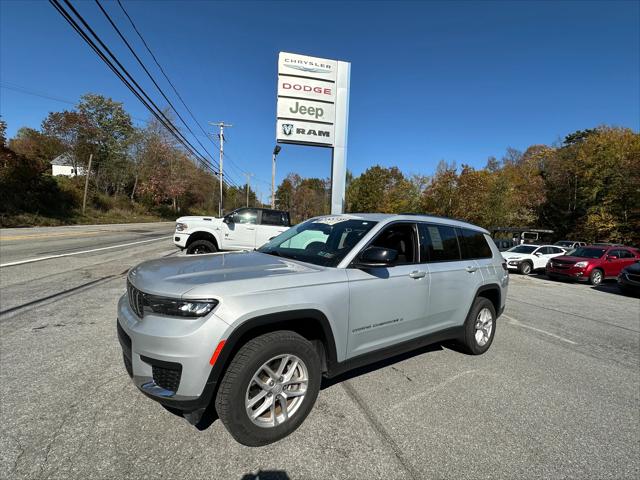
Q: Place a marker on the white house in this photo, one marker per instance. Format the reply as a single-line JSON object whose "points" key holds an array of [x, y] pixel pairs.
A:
{"points": [[63, 165]]}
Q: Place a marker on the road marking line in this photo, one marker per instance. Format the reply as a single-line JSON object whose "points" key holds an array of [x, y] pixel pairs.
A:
{"points": [[520, 324], [39, 259], [47, 235]]}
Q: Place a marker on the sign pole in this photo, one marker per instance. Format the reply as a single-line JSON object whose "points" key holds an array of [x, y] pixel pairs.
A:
{"points": [[339, 153]]}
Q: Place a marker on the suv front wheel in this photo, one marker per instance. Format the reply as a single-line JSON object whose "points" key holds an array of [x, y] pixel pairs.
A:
{"points": [[269, 388]]}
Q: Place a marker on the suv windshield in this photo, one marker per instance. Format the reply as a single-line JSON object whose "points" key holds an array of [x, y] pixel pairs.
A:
{"points": [[323, 241], [588, 252], [522, 249]]}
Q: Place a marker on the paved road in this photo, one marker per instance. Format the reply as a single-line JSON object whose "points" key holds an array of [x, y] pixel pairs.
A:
{"points": [[19, 244], [557, 396]]}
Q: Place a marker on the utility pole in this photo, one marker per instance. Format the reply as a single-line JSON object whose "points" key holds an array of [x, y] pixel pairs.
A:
{"points": [[276, 151], [86, 184], [221, 125], [249, 175]]}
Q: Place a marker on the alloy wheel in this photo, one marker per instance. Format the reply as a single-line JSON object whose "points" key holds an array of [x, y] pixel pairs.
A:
{"points": [[483, 326], [276, 390]]}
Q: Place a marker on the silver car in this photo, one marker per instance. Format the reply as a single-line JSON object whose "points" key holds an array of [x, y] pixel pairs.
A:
{"points": [[249, 335]]}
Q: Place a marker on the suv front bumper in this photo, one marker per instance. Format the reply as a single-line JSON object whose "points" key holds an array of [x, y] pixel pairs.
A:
{"points": [[168, 358]]}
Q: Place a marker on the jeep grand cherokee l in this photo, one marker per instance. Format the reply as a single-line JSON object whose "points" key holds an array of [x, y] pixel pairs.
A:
{"points": [[252, 333]]}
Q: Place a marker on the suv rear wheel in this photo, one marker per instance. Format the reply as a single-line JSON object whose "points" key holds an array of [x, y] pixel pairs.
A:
{"points": [[480, 327], [269, 388]]}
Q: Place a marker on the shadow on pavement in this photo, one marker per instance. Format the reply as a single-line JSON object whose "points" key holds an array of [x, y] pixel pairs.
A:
{"points": [[356, 372], [267, 475]]}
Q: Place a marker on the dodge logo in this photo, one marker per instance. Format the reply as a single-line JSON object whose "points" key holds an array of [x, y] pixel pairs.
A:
{"points": [[287, 128]]}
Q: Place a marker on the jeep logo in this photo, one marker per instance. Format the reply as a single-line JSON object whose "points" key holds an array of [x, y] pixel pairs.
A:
{"points": [[315, 112], [287, 128]]}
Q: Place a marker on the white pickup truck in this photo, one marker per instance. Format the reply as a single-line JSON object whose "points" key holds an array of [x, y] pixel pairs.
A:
{"points": [[242, 229]]}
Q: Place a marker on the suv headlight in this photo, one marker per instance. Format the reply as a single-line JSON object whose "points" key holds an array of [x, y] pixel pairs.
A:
{"points": [[581, 264], [181, 227], [178, 308]]}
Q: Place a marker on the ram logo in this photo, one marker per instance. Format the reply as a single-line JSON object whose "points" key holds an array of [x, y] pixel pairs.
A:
{"points": [[287, 128]]}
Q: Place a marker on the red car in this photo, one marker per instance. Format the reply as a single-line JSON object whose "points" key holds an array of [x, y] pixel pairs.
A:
{"points": [[592, 263]]}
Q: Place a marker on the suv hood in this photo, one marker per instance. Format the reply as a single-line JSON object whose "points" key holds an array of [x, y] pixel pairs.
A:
{"points": [[222, 272]]}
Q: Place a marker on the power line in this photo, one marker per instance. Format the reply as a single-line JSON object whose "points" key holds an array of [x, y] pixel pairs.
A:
{"points": [[146, 45], [26, 91], [104, 12], [155, 112]]}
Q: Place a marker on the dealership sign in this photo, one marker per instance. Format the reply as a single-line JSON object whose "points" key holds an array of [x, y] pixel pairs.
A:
{"points": [[313, 109]]}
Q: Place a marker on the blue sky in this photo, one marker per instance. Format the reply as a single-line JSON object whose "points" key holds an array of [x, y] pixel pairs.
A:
{"points": [[458, 81]]}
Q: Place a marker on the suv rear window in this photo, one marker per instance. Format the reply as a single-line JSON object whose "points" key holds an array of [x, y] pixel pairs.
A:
{"points": [[438, 243], [473, 244]]}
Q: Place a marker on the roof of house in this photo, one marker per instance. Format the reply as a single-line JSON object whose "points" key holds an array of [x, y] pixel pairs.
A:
{"points": [[65, 159]]}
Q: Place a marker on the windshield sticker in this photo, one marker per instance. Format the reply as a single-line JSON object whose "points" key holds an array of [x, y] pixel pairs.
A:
{"points": [[436, 239], [331, 220]]}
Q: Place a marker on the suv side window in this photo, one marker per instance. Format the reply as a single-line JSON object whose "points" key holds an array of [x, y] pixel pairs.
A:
{"points": [[555, 250], [402, 238], [438, 243], [246, 215], [473, 244], [626, 254], [274, 217]]}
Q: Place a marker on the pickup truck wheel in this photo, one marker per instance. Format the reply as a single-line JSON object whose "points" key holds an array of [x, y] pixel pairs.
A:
{"points": [[269, 388], [480, 327], [525, 268], [201, 246]]}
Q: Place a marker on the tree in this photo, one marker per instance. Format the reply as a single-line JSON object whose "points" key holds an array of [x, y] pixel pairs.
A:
{"points": [[75, 133], [110, 130]]}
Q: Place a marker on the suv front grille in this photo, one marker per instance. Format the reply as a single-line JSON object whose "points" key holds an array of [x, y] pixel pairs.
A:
{"points": [[136, 299]]}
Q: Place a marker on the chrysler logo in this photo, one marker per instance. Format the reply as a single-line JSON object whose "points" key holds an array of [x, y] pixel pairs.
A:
{"points": [[287, 128], [308, 69]]}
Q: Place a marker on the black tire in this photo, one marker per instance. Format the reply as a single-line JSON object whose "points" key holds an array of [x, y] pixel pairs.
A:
{"points": [[469, 341], [525, 268], [596, 277], [200, 247], [232, 394]]}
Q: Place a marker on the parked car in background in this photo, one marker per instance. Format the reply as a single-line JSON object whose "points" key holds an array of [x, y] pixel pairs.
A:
{"points": [[504, 244], [569, 244], [242, 229], [592, 263], [527, 258], [629, 279]]}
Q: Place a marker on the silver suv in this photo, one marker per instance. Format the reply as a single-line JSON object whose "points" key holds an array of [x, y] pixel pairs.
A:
{"points": [[250, 335]]}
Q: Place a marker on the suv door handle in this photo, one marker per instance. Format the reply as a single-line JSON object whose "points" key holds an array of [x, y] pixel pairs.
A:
{"points": [[471, 269], [417, 274], [251, 228]]}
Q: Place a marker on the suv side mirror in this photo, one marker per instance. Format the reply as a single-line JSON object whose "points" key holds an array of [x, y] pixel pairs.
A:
{"points": [[228, 218], [537, 254], [377, 257], [612, 257]]}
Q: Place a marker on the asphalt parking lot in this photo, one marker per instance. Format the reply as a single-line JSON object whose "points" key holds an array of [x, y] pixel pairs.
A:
{"points": [[556, 396]]}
